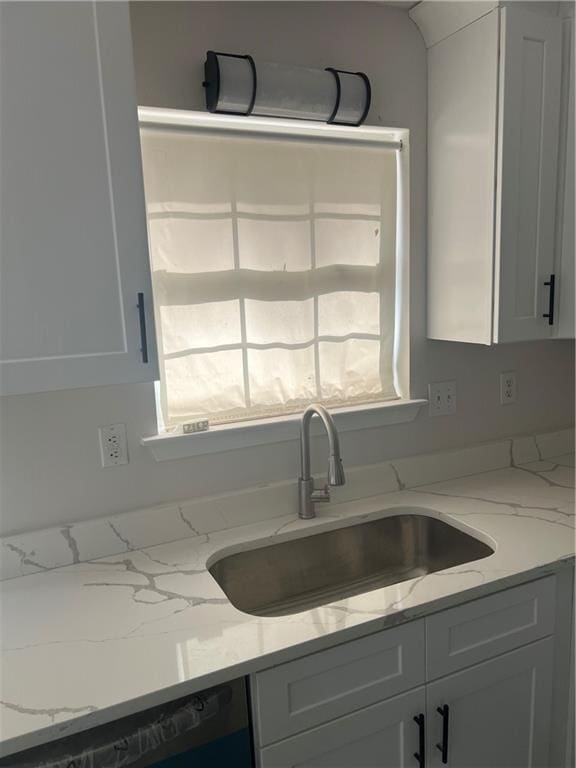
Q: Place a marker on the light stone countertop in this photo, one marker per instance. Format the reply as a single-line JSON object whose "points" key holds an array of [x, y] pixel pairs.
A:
{"points": [[85, 644]]}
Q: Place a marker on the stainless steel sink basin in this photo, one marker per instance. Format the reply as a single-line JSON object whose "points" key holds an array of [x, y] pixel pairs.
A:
{"points": [[320, 568]]}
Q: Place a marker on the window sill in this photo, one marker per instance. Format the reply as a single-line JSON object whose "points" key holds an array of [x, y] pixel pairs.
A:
{"points": [[248, 434]]}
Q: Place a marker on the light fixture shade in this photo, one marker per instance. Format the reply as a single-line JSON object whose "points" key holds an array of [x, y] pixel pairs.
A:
{"points": [[236, 85]]}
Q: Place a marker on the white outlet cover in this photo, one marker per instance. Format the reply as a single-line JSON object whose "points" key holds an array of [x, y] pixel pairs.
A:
{"points": [[113, 445], [507, 387], [442, 398]]}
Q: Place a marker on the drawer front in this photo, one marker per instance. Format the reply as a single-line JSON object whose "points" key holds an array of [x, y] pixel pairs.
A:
{"points": [[315, 689], [487, 627], [384, 734]]}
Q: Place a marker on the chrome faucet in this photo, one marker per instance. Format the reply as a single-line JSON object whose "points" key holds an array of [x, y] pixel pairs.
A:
{"points": [[307, 495]]}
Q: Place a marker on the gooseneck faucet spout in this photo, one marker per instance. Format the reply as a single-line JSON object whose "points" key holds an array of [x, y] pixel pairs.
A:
{"points": [[307, 495]]}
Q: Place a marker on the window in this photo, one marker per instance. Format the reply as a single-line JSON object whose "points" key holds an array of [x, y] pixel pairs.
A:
{"points": [[274, 271]]}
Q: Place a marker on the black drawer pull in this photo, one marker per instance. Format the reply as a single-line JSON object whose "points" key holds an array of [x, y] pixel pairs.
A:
{"points": [[445, 713], [421, 754], [143, 337], [551, 283]]}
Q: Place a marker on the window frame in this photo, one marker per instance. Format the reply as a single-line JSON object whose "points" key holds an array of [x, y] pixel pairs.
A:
{"points": [[172, 443]]}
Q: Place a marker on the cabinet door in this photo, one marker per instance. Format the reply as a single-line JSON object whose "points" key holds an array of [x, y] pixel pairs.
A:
{"points": [[529, 115], [499, 711], [462, 118], [384, 735], [73, 242], [567, 247]]}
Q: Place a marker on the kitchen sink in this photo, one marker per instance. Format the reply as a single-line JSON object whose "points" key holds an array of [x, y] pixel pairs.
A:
{"points": [[320, 568]]}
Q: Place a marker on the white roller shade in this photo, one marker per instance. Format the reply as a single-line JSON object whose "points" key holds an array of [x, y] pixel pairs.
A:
{"points": [[273, 272]]}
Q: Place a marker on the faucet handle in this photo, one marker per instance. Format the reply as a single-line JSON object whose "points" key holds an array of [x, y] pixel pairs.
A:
{"points": [[321, 494]]}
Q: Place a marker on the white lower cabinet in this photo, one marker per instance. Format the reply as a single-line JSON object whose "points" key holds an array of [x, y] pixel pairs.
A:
{"points": [[483, 698], [384, 735], [498, 712]]}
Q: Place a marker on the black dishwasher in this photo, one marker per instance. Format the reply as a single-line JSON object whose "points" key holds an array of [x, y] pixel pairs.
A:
{"points": [[210, 728]]}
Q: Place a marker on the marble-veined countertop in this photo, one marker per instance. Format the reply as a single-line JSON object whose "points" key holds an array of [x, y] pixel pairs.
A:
{"points": [[88, 643]]}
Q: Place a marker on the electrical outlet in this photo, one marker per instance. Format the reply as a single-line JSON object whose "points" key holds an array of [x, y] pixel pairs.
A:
{"points": [[442, 398], [113, 447], [508, 388]]}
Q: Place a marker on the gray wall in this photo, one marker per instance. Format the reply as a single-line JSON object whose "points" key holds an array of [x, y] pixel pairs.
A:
{"points": [[50, 468]]}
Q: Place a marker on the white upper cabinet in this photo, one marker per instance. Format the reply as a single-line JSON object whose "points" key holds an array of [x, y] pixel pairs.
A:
{"points": [[566, 245], [73, 242], [494, 105]]}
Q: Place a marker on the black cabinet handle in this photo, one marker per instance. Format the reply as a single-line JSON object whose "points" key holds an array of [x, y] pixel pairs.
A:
{"points": [[143, 338], [551, 283], [421, 754], [445, 713]]}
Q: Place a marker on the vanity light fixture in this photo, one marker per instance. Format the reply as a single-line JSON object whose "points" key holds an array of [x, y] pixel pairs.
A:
{"points": [[236, 85]]}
